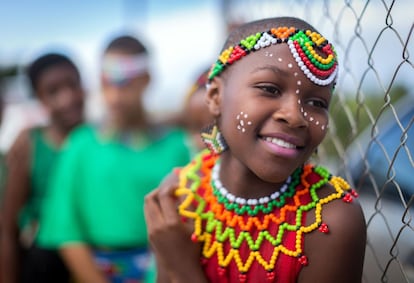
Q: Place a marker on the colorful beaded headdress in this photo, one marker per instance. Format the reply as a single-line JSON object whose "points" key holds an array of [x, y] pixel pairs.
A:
{"points": [[304, 45]]}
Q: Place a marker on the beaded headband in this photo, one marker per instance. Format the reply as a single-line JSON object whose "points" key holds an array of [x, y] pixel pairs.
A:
{"points": [[119, 70], [321, 70]]}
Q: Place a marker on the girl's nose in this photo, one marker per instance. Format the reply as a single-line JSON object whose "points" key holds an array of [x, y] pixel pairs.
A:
{"points": [[290, 111]]}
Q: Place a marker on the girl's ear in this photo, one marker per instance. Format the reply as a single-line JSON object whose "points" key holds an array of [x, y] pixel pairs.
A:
{"points": [[213, 97]]}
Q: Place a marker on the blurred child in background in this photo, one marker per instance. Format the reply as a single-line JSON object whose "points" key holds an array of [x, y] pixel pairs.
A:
{"points": [[195, 114], [56, 82], [106, 170]]}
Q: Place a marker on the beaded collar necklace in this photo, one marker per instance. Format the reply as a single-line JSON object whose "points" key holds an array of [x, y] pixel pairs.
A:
{"points": [[303, 44], [224, 230], [253, 206]]}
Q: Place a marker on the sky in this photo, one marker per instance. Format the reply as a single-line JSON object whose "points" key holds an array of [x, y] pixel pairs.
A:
{"points": [[81, 28], [184, 37]]}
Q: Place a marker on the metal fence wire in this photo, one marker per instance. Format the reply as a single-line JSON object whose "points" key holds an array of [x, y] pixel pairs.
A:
{"points": [[371, 138]]}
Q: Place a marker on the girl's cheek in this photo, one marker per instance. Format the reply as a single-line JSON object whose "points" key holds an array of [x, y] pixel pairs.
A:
{"points": [[318, 120], [243, 122]]}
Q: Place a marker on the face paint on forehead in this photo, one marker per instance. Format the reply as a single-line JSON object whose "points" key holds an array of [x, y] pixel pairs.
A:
{"points": [[242, 121]]}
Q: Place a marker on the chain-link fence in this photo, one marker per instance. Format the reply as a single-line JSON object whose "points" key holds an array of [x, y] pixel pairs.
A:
{"points": [[371, 139]]}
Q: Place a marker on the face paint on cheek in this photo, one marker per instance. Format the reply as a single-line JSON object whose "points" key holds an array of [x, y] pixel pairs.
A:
{"points": [[242, 122], [268, 54]]}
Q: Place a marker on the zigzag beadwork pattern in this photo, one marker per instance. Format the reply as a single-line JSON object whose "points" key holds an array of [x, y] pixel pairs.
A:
{"points": [[211, 217]]}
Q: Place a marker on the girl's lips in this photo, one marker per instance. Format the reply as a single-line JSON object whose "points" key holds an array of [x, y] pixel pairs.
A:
{"points": [[286, 147], [283, 140], [279, 142]]}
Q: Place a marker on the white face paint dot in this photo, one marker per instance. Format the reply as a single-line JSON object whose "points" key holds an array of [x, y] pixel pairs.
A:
{"points": [[299, 82], [295, 74], [290, 65], [279, 59], [297, 91], [242, 123]]}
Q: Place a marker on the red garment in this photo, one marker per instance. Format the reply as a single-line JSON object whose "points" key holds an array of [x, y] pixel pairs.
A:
{"points": [[286, 268]]}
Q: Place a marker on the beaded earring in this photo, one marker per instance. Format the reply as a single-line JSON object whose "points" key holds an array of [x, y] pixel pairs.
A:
{"points": [[213, 139]]}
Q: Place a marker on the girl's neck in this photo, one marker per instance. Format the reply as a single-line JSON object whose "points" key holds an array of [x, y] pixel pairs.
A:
{"points": [[128, 124], [242, 182], [57, 134]]}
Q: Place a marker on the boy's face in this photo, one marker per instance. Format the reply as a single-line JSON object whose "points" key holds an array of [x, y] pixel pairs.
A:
{"points": [[271, 115], [124, 99], [60, 90]]}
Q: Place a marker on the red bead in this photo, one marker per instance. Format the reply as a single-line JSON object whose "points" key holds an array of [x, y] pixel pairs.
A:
{"points": [[236, 54], [194, 238], [270, 275], [303, 260], [354, 193], [324, 228], [221, 271], [242, 277], [347, 198]]}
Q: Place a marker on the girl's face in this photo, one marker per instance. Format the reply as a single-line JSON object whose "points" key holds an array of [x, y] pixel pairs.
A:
{"points": [[124, 100], [271, 115], [59, 89]]}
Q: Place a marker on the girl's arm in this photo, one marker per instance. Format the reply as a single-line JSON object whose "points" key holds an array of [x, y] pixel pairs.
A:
{"points": [[178, 258], [16, 194], [80, 261], [338, 255]]}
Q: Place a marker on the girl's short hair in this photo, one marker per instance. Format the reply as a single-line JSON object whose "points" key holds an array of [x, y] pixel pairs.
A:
{"points": [[126, 44], [43, 63]]}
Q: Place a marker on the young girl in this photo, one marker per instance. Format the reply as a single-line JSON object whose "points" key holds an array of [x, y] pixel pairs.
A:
{"points": [[56, 82], [94, 214], [252, 209]]}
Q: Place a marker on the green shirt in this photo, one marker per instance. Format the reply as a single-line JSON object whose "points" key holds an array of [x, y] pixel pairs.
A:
{"points": [[97, 194]]}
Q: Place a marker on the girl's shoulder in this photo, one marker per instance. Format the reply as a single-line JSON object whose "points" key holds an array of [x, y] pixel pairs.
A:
{"points": [[338, 252]]}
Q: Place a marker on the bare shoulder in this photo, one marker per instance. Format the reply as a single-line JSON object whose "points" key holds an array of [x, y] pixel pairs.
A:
{"points": [[338, 254], [20, 149]]}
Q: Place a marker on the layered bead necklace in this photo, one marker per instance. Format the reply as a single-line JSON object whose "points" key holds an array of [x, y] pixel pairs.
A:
{"points": [[224, 222]]}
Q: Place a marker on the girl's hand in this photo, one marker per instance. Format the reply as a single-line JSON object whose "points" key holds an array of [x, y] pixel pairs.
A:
{"points": [[177, 256]]}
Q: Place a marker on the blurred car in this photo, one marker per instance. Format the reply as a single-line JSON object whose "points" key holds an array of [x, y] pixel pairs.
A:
{"points": [[380, 166]]}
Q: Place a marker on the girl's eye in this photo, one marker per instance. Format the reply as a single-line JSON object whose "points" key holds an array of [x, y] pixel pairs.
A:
{"points": [[268, 89], [318, 103]]}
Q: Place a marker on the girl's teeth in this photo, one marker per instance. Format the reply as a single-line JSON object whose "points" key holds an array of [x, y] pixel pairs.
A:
{"points": [[280, 142]]}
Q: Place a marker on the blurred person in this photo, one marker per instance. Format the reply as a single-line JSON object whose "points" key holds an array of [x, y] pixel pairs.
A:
{"points": [[2, 163], [195, 114], [106, 170], [56, 83]]}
